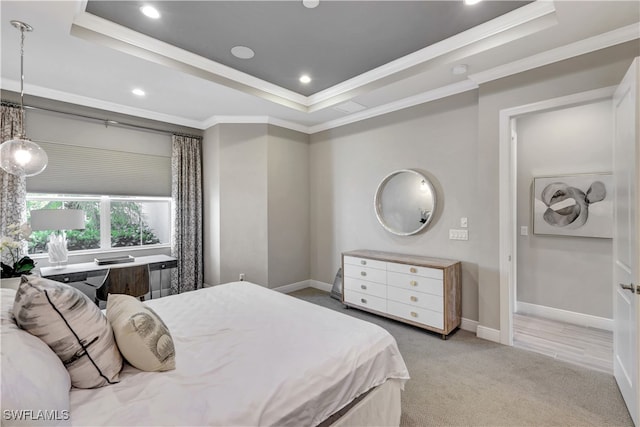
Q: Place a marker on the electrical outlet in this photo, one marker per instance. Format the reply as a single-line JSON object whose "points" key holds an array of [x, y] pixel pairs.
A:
{"points": [[242, 277], [463, 222], [458, 234], [524, 230]]}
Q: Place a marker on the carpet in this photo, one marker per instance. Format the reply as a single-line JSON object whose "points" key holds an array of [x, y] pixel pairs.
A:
{"points": [[467, 381]]}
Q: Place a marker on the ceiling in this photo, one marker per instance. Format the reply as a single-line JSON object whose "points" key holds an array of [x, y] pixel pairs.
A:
{"points": [[364, 58]]}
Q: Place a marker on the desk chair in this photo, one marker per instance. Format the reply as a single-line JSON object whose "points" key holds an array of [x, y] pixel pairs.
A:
{"points": [[132, 281]]}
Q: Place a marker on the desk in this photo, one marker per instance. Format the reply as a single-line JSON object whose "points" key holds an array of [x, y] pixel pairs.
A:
{"points": [[82, 271]]}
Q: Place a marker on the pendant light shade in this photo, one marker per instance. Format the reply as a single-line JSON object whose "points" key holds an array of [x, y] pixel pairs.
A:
{"points": [[20, 156]]}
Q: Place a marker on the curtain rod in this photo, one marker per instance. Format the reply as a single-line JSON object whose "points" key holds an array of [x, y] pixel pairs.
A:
{"points": [[106, 122]]}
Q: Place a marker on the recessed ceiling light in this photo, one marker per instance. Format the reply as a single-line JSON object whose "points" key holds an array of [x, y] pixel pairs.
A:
{"points": [[138, 92], [459, 69], [150, 11], [242, 52], [305, 79], [470, 2], [310, 4]]}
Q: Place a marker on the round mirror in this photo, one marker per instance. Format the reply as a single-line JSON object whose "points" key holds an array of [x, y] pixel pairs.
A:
{"points": [[405, 202]]}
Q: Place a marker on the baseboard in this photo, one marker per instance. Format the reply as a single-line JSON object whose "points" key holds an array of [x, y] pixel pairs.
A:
{"points": [[469, 325], [323, 286], [488, 333], [566, 316], [293, 287]]}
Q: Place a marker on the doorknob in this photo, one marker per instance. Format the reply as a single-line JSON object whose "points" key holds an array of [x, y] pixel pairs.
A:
{"points": [[628, 287]]}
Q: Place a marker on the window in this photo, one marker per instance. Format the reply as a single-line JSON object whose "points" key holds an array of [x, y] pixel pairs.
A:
{"points": [[110, 222]]}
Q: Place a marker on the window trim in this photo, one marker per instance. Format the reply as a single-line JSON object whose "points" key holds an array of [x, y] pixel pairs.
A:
{"points": [[105, 226]]}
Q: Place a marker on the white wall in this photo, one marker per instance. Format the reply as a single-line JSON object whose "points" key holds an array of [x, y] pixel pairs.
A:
{"points": [[568, 273]]}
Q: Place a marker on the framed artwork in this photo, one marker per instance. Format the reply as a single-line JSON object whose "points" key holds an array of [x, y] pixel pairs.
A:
{"points": [[573, 205]]}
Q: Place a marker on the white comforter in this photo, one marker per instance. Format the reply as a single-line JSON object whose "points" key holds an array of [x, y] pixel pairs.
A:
{"points": [[247, 356]]}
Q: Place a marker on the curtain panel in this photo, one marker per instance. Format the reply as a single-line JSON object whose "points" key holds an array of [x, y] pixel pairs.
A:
{"points": [[13, 189], [186, 233]]}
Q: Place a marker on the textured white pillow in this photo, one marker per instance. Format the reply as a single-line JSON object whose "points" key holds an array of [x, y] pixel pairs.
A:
{"points": [[35, 384], [73, 326], [143, 338]]}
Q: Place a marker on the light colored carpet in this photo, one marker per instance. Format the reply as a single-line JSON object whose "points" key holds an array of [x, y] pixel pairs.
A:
{"points": [[466, 381]]}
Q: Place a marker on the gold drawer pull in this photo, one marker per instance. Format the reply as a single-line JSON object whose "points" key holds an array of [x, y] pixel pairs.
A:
{"points": [[413, 283], [363, 262], [362, 300], [414, 314], [413, 270], [363, 273], [414, 299], [363, 286]]}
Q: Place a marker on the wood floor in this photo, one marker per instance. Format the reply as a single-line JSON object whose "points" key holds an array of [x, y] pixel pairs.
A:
{"points": [[588, 347]]}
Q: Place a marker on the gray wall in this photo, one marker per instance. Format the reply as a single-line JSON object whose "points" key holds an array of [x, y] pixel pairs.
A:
{"points": [[256, 204], [288, 206], [456, 141], [568, 273], [347, 164], [595, 70]]}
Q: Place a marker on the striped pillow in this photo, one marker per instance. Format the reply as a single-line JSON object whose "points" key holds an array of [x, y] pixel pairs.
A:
{"points": [[73, 326]]}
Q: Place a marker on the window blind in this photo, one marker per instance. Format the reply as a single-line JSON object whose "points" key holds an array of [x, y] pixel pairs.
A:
{"points": [[74, 169]]}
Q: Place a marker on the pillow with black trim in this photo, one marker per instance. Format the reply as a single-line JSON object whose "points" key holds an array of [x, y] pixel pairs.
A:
{"points": [[33, 377], [73, 326], [142, 337]]}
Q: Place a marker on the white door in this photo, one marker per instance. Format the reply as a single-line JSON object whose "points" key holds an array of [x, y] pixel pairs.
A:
{"points": [[626, 250]]}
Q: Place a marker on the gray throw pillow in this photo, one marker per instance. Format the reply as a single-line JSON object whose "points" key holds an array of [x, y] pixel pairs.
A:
{"points": [[73, 326]]}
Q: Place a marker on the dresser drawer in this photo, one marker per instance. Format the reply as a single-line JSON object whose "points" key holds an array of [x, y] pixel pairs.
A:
{"points": [[416, 299], [364, 300], [364, 262], [416, 314], [416, 283], [415, 270], [365, 287], [365, 273]]}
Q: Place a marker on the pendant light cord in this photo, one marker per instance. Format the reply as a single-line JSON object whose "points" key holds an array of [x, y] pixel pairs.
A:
{"points": [[22, 115]]}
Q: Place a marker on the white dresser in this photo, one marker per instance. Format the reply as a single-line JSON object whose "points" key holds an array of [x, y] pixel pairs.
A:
{"points": [[424, 292]]}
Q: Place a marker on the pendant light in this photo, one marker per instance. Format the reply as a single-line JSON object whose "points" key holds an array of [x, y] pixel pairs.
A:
{"points": [[20, 156]]}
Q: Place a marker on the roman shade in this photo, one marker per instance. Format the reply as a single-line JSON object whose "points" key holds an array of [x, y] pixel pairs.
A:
{"points": [[74, 169]]}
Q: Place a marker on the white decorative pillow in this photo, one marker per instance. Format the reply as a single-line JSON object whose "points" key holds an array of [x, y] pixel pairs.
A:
{"points": [[73, 326], [143, 338], [35, 384]]}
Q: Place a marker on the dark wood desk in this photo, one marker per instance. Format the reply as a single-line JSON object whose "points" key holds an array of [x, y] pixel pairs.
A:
{"points": [[77, 274]]}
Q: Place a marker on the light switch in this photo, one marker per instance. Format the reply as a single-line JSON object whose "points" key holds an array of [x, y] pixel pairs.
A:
{"points": [[458, 234], [524, 230], [463, 222]]}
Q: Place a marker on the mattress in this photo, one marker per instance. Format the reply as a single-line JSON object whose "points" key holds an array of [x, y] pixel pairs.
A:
{"points": [[248, 356]]}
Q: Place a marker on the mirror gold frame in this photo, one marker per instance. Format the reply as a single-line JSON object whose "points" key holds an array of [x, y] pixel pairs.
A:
{"points": [[405, 202]]}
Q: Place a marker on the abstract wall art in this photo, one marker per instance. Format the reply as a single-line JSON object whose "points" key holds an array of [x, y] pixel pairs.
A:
{"points": [[573, 205]]}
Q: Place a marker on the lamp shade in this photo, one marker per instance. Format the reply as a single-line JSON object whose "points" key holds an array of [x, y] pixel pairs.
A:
{"points": [[22, 157], [57, 219]]}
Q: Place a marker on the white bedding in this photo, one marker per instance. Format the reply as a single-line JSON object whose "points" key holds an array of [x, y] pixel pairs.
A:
{"points": [[247, 356]]}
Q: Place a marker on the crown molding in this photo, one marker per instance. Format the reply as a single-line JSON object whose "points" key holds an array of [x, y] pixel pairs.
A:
{"points": [[431, 95], [513, 25], [601, 41], [101, 31], [217, 120], [591, 44], [85, 101], [473, 36]]}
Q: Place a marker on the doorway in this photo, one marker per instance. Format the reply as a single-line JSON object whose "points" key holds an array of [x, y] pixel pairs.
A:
{"points": [[510, 231]]}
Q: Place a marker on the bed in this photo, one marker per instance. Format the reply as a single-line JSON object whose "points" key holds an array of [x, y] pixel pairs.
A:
{"points": [[249, 356]]}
